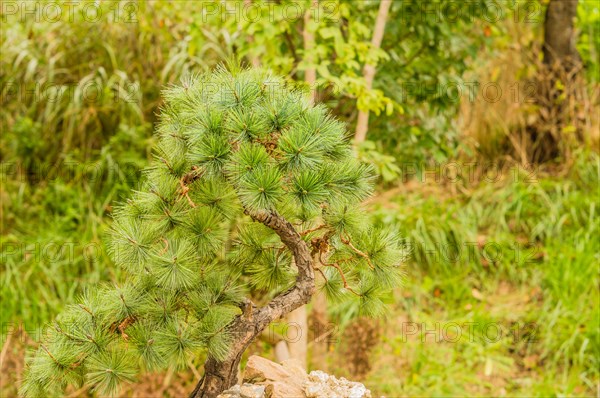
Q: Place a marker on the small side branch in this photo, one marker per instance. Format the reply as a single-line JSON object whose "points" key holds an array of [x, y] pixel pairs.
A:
{"points": [[123, 325], [340, 271], [186, 180], [50, 355], [322, 274], [308, 231], [347, 242], [184, 191], [344, 281]]}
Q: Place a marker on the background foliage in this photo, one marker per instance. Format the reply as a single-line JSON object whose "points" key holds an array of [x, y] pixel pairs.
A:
{"points": [[79, 103]]}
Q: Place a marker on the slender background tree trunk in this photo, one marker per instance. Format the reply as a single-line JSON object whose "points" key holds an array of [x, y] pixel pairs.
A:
{"points": [[298, 335], [310, 75], [297, 319], [320, 326], [559, 34], [362, 124], [557, 86], [253, 58]]}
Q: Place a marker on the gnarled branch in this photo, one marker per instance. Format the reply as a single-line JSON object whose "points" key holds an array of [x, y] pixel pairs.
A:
{"points": [[218, 375]]}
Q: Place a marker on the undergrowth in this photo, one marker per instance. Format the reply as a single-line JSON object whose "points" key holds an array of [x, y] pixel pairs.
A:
{"points": [[502, 291]]}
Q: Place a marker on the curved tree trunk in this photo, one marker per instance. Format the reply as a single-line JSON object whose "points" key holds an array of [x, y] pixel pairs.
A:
{"points": [[220, 375]]}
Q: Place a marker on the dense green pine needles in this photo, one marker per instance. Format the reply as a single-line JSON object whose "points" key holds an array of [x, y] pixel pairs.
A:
{"points": [[231, 143]]}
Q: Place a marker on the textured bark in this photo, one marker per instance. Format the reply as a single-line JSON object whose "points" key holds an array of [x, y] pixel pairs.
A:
{"points": [[220, 375], [362, 124]]}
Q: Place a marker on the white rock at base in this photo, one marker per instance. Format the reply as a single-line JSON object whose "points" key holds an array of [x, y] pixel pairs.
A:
{"points": [[266, 379], [322, 385], [252, 391], [233, 392]]}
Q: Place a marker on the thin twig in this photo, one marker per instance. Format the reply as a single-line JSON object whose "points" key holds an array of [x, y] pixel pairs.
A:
{"points": [[166, 248], [187, 179], [341, 272], [50, 355], [184, 191], [86, 309], [167, 164], [322, 274], [123, 325], [308, 231], [322, 337], [358, 251]]}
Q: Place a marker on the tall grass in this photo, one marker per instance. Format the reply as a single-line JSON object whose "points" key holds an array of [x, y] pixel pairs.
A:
{"points": [[70, 84], [550, 283], [78, 102]]}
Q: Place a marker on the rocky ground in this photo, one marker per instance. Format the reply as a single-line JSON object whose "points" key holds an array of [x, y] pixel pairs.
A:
{"points": [[267, 379]]}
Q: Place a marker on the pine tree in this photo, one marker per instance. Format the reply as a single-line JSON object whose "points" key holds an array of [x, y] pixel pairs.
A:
{"points": [[250, 184]]}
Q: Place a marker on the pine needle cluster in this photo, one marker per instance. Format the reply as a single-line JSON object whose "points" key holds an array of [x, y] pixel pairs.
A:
{"points": [[230, 143]]}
